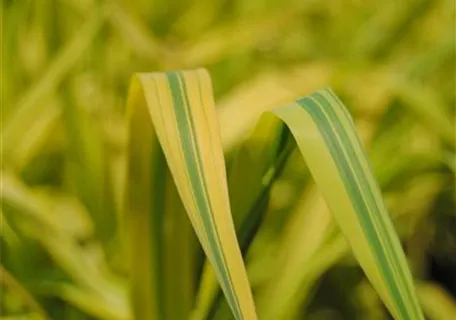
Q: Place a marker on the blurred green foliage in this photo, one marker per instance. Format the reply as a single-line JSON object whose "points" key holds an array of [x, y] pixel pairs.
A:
{"points": [[66, 67]]}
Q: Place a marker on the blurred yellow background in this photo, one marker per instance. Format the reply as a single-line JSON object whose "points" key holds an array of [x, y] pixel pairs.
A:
{"points": [[66, 67]]}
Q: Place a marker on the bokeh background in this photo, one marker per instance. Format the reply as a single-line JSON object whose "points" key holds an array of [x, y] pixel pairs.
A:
{"points": [[66, 67]]}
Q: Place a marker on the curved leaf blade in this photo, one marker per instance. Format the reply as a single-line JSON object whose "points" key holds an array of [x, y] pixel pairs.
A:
{"points": [[178, 110], [327, 139]]}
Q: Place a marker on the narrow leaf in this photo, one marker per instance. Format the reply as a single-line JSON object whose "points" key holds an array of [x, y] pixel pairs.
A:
{"points": [[176, 109], [327, 139]]}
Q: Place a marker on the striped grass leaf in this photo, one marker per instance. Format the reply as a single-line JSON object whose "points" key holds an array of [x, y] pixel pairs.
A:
{"points": [[172, 117], [178, 108], [327, 139]]}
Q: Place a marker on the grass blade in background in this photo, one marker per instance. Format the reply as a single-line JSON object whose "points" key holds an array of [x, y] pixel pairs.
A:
{"points": [[144, 212], [178, 107], [307, 231], [158, 244], [182, 255], [437, 303], [262, 159], [33, 217], [427, 107], [91, 303], [29, 107], [88, 170], [11, 284]]}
